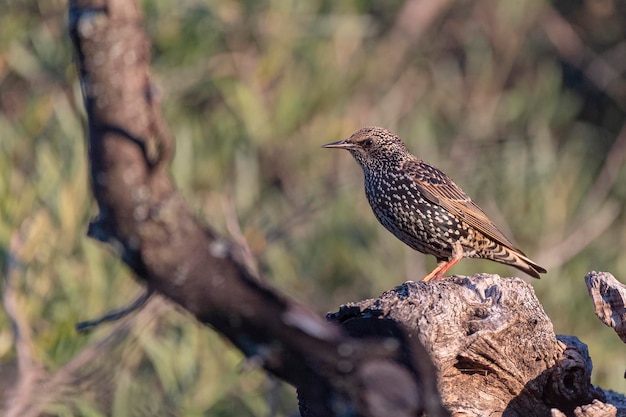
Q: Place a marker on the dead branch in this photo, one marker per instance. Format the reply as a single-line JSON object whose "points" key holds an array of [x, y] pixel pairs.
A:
{"points": [[144, 217]]}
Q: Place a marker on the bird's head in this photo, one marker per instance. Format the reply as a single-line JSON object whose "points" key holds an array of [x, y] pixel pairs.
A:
{"points": [[373, 148]]}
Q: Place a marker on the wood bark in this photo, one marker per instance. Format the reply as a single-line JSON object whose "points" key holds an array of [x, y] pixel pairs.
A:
{"points": [[482, 344]]}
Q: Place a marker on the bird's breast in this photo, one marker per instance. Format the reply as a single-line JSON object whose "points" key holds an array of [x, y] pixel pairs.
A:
{"points": [[399, 205]]}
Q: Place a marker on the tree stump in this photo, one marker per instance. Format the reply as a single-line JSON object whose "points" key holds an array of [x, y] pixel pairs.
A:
{"points": [[493, 346]]}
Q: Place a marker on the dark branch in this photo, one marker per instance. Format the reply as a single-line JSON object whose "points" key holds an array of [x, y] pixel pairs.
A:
{"points": [[144, 217]]}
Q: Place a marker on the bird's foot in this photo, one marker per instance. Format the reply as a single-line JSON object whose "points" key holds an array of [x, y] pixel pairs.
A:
{"points": [[444, 265], [434, 275]]}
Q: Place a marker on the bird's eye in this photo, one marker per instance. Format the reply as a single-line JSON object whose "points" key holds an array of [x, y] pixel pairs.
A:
{"points": [[367, 142]]}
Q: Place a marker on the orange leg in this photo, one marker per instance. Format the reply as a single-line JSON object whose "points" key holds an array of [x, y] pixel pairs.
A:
{"points": [[444, 266]]}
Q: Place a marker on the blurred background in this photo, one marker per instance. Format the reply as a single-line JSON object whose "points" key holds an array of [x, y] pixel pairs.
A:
{"points": [[522, 103]]}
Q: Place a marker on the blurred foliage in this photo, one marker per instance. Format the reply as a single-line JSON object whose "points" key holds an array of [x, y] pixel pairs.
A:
{"points": [[521, 102]]}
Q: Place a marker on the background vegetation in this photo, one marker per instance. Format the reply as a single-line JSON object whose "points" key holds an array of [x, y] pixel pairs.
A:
{"points": [[521, 102]]}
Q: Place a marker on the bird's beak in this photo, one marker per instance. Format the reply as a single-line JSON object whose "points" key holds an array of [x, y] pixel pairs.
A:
{"points": [[340, 144]]}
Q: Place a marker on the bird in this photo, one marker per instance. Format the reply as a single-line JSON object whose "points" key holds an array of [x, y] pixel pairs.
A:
{"points": [[426, 209]]}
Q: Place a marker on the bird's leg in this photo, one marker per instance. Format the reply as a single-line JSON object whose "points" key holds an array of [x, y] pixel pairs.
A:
{"points": [[444, 265]]}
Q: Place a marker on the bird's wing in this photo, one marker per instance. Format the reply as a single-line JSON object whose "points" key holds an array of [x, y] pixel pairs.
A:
{"points": [[438, 188]]}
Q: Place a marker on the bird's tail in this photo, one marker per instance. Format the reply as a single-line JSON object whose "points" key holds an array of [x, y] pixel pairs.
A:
{"points": [[516, 258]]}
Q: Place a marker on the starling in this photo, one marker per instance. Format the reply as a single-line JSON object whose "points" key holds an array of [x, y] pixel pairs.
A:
{"points": [[424, 208]]}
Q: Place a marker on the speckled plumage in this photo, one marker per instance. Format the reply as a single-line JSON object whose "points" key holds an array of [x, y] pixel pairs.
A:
{"points": [[424, 208]]}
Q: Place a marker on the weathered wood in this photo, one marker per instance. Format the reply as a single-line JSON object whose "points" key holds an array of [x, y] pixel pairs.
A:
{"points": [[609, 300], [492, 344]]}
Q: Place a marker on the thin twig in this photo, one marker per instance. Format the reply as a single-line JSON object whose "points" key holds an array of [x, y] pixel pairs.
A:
{"points": [[580, 238], [116, 314], [234, 228], [573, 50], [29, 370], [606, 179], [596, 213], [86, 369]]}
